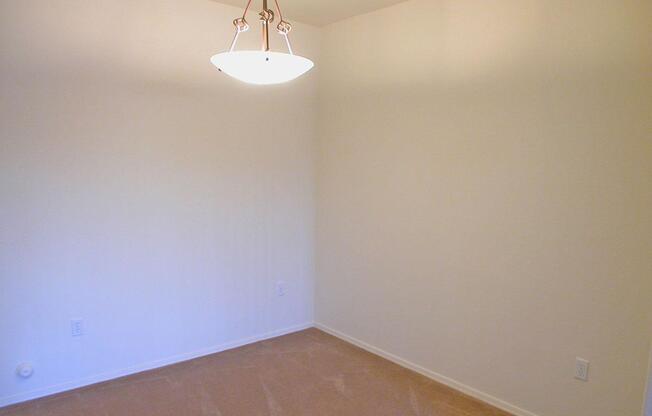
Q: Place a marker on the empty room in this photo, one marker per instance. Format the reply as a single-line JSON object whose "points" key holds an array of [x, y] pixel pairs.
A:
{"points": [[325, 208]]}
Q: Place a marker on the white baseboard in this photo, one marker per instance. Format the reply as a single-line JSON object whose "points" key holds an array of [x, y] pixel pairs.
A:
{"points": [[59, 388], [487, 398]]}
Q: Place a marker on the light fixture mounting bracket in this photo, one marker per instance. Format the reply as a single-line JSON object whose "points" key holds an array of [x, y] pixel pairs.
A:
{"points": [[267, 17]]}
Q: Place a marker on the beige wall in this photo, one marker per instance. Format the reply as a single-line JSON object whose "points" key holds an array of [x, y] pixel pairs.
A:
{"points": [[484, 195], [143, 191]]}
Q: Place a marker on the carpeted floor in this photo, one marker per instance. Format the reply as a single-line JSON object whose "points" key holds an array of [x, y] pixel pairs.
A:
{"points": [[306, 373]]}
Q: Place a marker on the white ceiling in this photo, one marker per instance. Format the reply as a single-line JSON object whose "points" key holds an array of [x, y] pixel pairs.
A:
{"points": [[318, 12]]}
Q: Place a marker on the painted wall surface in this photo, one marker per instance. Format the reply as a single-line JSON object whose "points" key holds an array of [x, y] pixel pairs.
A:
{"points": [[142, 190], [484, 195]]}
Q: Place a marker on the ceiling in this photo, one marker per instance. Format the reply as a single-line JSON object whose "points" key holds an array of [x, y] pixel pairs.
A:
{"points": [[318, 12]]}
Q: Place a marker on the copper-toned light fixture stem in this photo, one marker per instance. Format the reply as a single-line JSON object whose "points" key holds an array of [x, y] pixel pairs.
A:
{"points": [[265, 18]]}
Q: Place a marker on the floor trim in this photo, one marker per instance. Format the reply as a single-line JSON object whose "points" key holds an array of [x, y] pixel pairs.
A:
{"points": [[487, 398], [59, 388]]}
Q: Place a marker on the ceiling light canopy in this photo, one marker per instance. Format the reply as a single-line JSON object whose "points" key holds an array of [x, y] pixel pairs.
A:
{"points": [[262, 67]]}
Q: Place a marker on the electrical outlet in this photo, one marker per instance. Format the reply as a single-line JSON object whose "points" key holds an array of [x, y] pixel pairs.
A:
{"points": [[281, 288], [76, 327], [581, 369]]}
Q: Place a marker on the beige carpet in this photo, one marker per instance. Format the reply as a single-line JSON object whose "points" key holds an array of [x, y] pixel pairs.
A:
{"points": [[306, 373]]}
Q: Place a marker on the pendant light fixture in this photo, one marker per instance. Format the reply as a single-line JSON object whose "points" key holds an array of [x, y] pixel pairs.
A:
{"points": [[262, 67]]}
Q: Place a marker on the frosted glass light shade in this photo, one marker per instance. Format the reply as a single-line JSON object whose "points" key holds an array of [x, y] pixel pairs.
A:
{"points": [[262, 68]]}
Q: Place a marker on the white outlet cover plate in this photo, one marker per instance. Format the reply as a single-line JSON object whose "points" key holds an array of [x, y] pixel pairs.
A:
{"points": [[281, 288], [581, 369], [76, 327]]}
